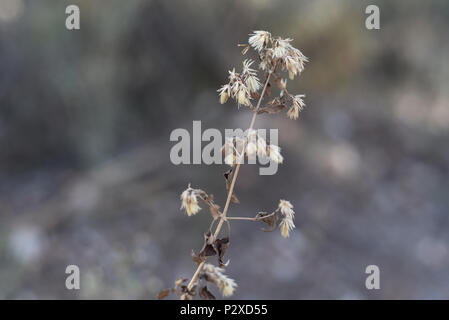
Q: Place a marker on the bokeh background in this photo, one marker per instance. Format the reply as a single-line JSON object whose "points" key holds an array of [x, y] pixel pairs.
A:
{"points": [[85, 173]]}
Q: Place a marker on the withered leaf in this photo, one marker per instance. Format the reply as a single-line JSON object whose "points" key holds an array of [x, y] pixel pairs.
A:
{"points": [[208, 237], [271, 108], [196, 259], [191, 292], [164, 293], [228, 177], [271, 220], [255, 95], [221, 245], [208, 248], [268, 90], [278, 82], [214, 210], [180, 281], [205, 294], [208, 251]]}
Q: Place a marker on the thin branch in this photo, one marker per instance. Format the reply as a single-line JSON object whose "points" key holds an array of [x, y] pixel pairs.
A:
{"points": [[241, 218], [254, 218]]}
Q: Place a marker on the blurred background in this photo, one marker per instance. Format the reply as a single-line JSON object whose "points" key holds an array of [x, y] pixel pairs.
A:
{"points": [[86, 177]]}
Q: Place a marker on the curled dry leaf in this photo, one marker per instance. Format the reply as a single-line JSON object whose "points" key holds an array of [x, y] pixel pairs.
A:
{"points": [[270, 219], [213, 207], [268, 90], [197, 259], [278, 83], [205, 294], [228, 177], [191, 293], [255, 95], [221, 245], [275, 107], [179, 282], [164, 293], [208, 248]]}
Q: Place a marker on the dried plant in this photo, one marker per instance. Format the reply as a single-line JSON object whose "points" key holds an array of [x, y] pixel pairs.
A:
{"points": [[275, 55]]}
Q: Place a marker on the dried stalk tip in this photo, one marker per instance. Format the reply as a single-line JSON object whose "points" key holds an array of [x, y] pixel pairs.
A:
{"points": [[274, 152]]}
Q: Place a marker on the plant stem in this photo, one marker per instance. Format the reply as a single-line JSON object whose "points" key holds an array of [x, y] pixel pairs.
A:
{"points": [[241, 218], [234, 178]]}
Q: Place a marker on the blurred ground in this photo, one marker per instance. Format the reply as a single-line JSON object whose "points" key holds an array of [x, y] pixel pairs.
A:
{"points": [[85, 174]]}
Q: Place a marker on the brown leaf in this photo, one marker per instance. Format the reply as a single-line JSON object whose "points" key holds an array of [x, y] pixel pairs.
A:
{"points": [[208, 251], [208, 248], [191, 292], [221, 245], [268, 90], [164, 293], [228, 177], [208, 237], [180, 281], [271, 221], [278, 82], [271, 108], [205, 294], [214, 208], [196, 259], [255, 95]]}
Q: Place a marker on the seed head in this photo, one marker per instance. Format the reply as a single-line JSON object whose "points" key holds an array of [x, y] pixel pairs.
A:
{"points": [[274, 152], [224, 93], [189, 201], [259, 39], [216, 276], [286, 226], [288, 214]]}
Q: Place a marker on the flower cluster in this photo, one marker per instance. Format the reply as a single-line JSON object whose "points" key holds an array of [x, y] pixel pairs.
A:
{"points": [[241, 85], [288, 215], [216, 276], [273, 53], [250, 145], [277, 51]]}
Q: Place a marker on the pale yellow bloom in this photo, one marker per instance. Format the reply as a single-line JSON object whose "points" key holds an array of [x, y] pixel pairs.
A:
{"points": [[220, 280], [228, 287], [293, 112], [224, 93], [189, 201], [242, 97], [286, 208], [259, 39], [253, 83], [275, 153], [297, 106], [286, 226]]}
